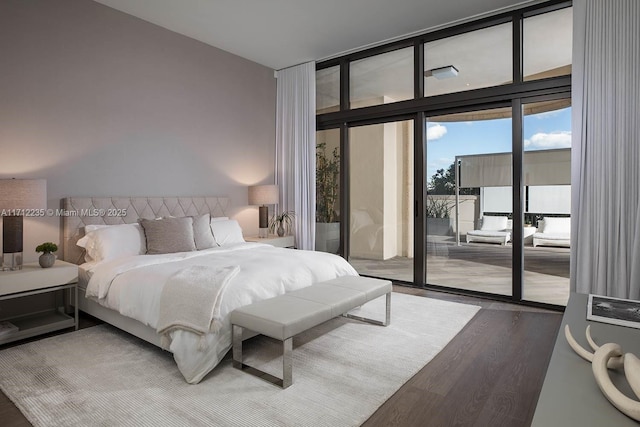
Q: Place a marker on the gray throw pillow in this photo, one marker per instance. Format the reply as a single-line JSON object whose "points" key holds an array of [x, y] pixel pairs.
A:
{"points": [[202, 232], [168, 235]]}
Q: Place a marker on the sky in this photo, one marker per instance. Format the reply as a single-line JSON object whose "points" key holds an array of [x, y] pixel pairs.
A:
{"points": [[446, 140]]}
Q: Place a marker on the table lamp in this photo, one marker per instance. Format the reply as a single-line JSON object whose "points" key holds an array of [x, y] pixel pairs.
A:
{"points": [[263, 195], [17, 198]]}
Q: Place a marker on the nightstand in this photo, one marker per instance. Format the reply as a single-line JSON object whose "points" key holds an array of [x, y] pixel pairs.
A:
{"points": [[33, 280], [273, 240]]}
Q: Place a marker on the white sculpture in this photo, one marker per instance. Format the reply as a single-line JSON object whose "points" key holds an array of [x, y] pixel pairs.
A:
{"points": [[610, 356]]}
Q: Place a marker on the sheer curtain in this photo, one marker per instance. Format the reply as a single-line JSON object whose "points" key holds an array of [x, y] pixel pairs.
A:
{"points": [[296, 148], [605, 241]]}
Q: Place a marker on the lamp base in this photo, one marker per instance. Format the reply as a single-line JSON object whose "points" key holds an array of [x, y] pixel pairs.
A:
{"points": [[263, 221], [11, 261], [12, 242]]}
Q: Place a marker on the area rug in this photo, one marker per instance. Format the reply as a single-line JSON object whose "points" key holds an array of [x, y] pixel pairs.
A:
{"points": [[343, 370]]}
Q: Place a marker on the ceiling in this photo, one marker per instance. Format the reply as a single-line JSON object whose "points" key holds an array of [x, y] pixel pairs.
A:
{"points": [[283, 33]]}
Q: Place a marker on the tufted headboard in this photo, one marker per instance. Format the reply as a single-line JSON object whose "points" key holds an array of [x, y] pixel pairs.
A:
{"points": [[80, 211]]}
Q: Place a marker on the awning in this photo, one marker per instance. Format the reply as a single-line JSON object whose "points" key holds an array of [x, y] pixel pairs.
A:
{"points": [[542, 167]]}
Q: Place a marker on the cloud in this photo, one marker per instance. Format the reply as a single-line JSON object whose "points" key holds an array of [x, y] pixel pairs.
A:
{"points": [[435, 131], [542, 140]]}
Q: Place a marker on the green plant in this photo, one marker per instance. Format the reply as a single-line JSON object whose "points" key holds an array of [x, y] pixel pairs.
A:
{"points": [[284, 220], [438, 208], [47, 247], [444, 182], [327, 173]]}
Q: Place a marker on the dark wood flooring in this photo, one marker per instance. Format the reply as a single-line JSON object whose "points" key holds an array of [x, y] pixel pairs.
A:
{"points": [[490, 374]]}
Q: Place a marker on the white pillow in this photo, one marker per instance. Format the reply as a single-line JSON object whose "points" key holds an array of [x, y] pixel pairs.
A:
{"points": [[93, 227], [109, 242], [227, 231], [202, 234], [557, 225], [494, 223], [83, 242]]}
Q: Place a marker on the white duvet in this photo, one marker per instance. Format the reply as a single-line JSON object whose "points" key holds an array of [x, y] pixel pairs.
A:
{"points": [[133, 285]]}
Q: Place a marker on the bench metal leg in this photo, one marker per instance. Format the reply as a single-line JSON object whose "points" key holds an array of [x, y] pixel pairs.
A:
{"points": [[287, 360], [237, 346], [387, 318]]}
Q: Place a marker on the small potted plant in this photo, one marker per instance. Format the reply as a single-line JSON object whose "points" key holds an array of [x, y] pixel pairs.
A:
{"points": [[47, 259], [281, 223]]}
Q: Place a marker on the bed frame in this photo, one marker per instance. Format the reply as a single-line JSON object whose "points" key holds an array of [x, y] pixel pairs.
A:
{"points": [[77, 212]]}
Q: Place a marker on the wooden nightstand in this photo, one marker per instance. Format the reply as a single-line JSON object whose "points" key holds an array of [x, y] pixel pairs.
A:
{"points": [[273, 240], [33, 280]]}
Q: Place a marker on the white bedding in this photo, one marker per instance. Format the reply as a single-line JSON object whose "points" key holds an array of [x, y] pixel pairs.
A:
{"points": [[132, 286]]}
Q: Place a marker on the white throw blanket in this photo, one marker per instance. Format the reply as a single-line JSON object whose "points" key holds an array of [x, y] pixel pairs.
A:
{"points": [[190, 300]]}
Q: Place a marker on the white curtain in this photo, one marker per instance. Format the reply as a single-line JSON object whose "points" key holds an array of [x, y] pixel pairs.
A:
{"points": [[296, 148], [605, 240]]}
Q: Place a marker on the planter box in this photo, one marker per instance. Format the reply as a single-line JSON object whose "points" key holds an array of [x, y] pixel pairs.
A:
{"points": [[328, 237], [439, 227]]}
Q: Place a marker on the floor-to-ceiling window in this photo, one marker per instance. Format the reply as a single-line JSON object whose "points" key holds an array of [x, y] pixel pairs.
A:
{"points": [[438, 136], [381, 199], [469, 203]]}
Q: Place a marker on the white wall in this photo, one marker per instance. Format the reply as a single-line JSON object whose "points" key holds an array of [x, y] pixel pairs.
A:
{"points": [[392, 201], [100, 103], [405, 189]]}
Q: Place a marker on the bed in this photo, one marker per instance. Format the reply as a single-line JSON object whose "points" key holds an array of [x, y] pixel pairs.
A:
{"points": [[125, 289]]}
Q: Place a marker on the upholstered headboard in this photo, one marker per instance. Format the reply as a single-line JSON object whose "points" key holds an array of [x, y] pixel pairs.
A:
{"points": [[80, 211]]}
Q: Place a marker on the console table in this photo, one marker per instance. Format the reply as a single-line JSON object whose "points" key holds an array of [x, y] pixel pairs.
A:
{"points": [[570, 395]]}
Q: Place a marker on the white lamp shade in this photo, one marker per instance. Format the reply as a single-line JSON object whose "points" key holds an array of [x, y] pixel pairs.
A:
{"points": [[263, 195], [23, 194]]}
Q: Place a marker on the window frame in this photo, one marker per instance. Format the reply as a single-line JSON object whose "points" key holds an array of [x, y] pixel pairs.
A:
{"points": [[515, 94]]}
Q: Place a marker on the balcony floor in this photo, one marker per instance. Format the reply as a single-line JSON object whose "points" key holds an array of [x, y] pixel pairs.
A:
{"points": [[482, 267]]}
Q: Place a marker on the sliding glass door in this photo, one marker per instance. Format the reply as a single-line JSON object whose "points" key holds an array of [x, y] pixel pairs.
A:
{"points": [[381, 196], [547, 207], [472, 192], [469, 204]]}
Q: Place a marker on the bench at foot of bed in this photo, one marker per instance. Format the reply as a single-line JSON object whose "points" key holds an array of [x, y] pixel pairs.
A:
{"points": [[289, 314]]}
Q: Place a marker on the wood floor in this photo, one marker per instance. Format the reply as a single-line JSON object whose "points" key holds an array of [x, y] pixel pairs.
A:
{"points": [[490, 374]]}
